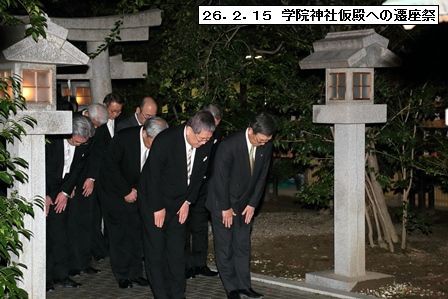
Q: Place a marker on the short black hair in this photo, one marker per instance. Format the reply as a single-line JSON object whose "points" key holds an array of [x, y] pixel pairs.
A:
{"points": [[265, 124], [112, 97]]}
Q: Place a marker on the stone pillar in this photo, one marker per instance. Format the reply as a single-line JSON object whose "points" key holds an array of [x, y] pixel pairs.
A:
{"points": [[33, 256], [349, 204], [32, 149], [100, 80], [349, 196]]}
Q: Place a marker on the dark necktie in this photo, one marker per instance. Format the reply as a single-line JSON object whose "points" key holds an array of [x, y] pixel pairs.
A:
{"points": [[252, 158]]}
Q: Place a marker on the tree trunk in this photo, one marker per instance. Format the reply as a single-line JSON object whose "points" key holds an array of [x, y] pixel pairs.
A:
{"points": [[379, 220], [372, 163], [386, 233], [374, 210], [404, 221]]}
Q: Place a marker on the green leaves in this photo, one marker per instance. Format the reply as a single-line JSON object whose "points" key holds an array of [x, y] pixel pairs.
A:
{"points": [[37, 19]]}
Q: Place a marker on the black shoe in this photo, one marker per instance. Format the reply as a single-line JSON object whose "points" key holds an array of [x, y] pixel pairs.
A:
{"points": [[233, 295], [90, 270], [190, 273], [50, 287], [140, 281], [69, 283], [250, 293], [124, 283], [205, 271]]}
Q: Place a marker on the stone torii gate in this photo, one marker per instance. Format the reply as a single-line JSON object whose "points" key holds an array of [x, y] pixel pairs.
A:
{"points": [[103, 68]]}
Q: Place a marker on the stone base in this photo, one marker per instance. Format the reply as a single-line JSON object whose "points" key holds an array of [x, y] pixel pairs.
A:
{"points": [[331, 280]]}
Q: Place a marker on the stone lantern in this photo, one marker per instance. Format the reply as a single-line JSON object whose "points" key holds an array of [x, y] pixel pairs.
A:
{"points": [[349, 59], [36, 63]]}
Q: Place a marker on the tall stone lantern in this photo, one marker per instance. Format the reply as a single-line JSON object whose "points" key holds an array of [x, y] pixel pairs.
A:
{"points": [[349, 59], [36, 63]]}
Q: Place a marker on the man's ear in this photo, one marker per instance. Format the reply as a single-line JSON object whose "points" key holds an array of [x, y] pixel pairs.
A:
{"points": [[138, 110]]}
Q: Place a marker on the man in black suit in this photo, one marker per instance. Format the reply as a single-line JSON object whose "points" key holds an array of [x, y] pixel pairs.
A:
{"points": [[235, 190], [64, 160], [169, 183], [197, 222], [147, 109], [114, 105], [97, 114], [81, 206], [118, 188]]}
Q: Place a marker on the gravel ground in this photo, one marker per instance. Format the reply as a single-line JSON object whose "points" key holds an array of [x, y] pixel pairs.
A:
{"points": [[279, 224]]}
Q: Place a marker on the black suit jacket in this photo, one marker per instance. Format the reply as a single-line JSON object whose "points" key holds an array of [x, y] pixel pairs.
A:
{"points": [[99, 145], [54, 166], [231, 184], [163, 183], [127, 123], [120, 171]]}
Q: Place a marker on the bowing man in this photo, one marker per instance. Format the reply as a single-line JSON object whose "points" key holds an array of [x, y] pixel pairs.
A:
{"points": [[235, 189], [168, 185], [64, 161], [118, 180]]}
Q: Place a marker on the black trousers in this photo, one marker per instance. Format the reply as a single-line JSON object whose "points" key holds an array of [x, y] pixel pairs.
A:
{"points": [[99, 241], [165, 257], [57, 245], [197, 235], [125, 239], [80, 230], [232, 251]]}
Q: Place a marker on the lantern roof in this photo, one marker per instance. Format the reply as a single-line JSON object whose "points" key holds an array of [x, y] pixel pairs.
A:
{"points": [[54, 49], [350, 49]]}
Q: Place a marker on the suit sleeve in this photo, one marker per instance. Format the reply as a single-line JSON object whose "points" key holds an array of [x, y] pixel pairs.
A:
{"points": [[98, 149], [114, 157], [221, 175], [150, 186], [261, 182]]}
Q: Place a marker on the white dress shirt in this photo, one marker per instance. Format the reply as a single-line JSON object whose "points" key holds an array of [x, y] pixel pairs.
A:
{"points": [[144, 151], [69, 153], [111, 126], [193, 154]]}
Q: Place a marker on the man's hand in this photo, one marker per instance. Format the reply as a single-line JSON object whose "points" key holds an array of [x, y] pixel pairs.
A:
{"points": [[88, 186], [60, 202], [159, 218], [227, 217], [48, 203], [249, 213], [183, 212], [131, 197]]}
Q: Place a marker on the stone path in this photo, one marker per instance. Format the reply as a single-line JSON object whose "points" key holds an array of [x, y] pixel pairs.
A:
{"points": [[103, 285]]}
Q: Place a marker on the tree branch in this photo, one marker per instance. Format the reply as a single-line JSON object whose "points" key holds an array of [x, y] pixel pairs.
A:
{"points": [[269, 52]]}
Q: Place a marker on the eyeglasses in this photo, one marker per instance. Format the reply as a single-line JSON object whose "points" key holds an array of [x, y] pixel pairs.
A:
{"points": [[78, 140], [262, 139], [200, 139]]}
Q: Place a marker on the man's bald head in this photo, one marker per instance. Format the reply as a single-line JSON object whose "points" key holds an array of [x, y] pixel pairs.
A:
{"points": [[147, 109]]}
